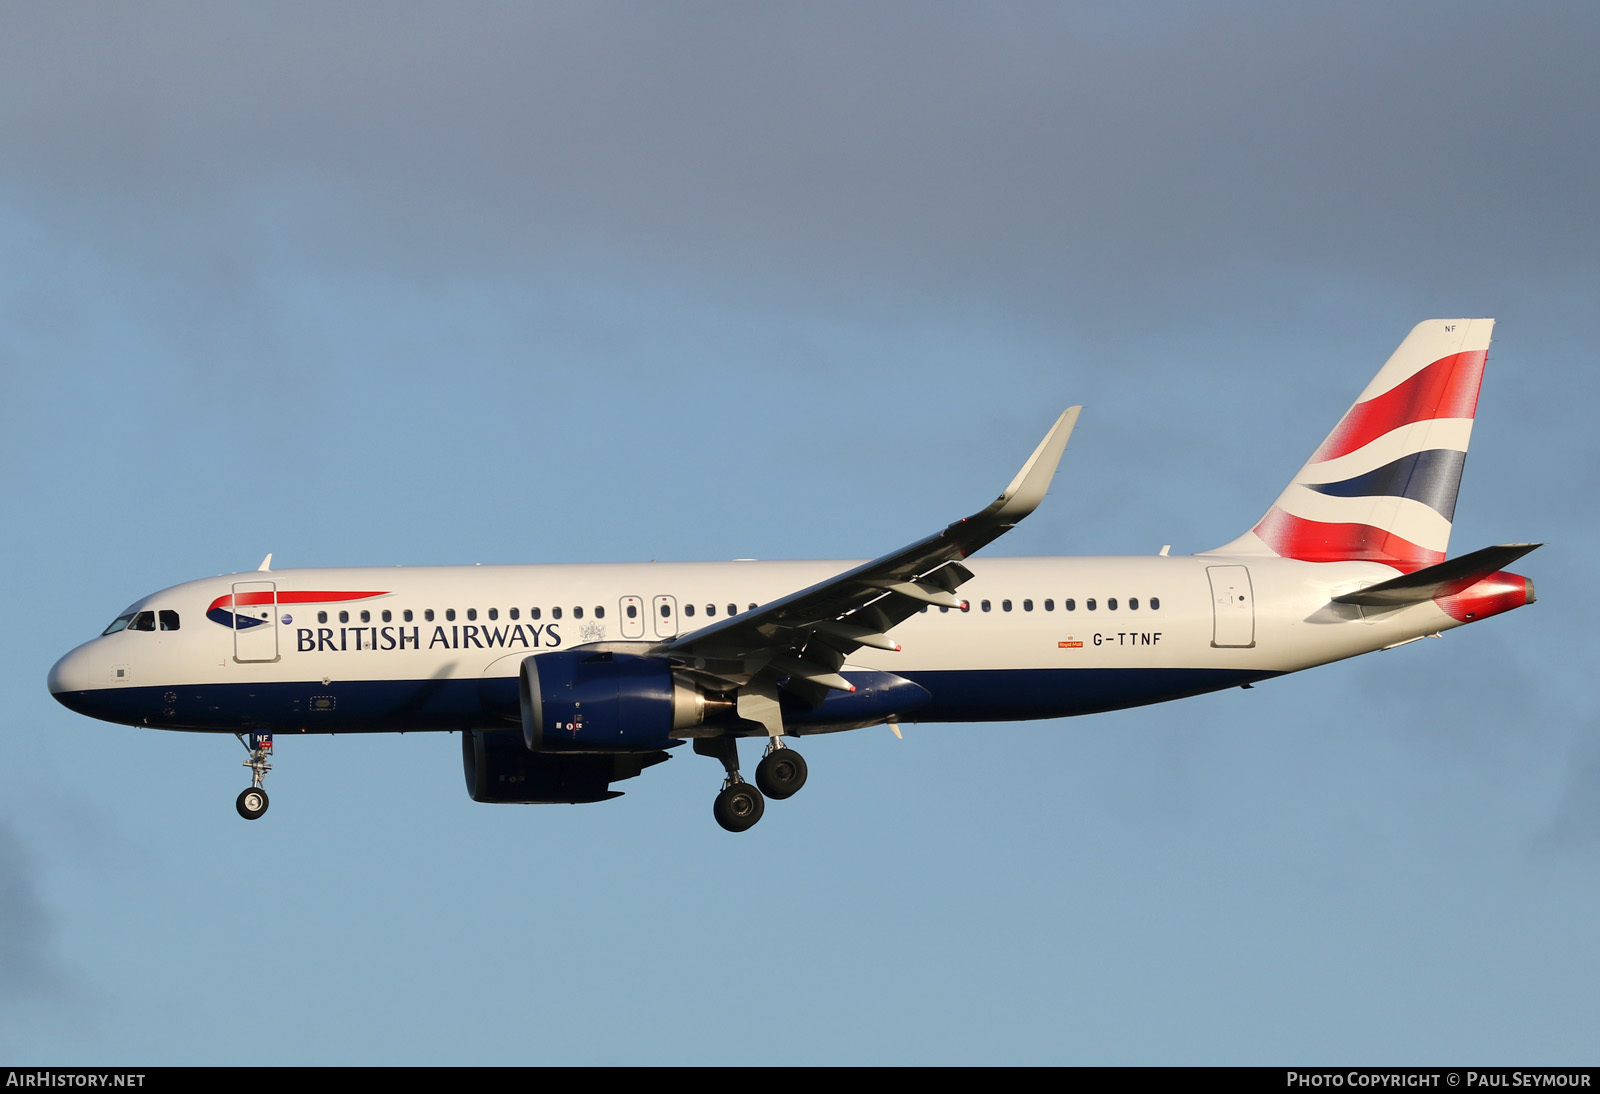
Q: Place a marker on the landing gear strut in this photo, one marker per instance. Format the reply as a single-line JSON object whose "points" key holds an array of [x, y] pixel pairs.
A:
{"points": [[252, 801]]}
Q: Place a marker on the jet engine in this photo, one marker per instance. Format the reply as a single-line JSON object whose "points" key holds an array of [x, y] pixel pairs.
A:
{"points": [[604, 701], [500, 770]]}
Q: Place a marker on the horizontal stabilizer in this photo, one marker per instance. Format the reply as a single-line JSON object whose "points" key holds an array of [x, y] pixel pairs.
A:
{"points": [[1444, 579]]}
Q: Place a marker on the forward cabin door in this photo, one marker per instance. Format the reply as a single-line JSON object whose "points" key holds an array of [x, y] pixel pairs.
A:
{"points": [[255, 620], [1233, 608]]}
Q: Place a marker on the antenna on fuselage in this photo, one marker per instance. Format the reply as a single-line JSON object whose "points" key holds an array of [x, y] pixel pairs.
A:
{"points": [[266, 563]]}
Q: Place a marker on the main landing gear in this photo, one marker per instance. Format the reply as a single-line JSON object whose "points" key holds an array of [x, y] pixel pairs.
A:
{"points": [[252, 801], [780, 774]]}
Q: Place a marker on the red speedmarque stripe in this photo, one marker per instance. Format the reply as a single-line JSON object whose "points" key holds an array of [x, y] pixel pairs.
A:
{"points": [[1448, 388], [289, 598], [1313, 541]]}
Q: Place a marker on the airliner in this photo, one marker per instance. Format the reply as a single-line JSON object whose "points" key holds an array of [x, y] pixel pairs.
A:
{"points": [[566, 679]]}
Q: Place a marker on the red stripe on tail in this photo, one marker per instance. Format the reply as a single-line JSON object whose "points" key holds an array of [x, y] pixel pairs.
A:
{"points": [[1313, 541], [1448, 388]]}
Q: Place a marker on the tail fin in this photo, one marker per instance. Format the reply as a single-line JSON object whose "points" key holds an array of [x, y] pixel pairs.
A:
{"points": [[1382, 487]]}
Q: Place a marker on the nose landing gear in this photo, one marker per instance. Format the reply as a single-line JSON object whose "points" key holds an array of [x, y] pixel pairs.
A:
{"points": [[252, 801]]}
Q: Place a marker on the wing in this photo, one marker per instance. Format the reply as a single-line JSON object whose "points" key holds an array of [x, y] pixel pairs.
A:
{"points": [[803, 639]]}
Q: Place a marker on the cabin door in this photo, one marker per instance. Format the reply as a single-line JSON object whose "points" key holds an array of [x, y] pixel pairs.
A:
{"points": [[255, 620], [664, 610], [1233, 609], [632, 609]]}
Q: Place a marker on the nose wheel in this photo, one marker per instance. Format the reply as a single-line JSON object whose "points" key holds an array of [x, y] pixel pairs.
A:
{"points": [[252, 801]]}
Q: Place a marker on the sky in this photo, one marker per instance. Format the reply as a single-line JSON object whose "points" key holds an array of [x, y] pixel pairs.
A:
{"points": [[390, 283]]}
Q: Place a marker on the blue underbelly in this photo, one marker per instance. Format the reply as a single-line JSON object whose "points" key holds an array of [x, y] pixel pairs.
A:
{"points": [[362, 706]]}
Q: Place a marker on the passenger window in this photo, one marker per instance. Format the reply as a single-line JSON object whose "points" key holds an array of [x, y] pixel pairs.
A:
{"points": [[599, 612], [966, 605], [1155, 603], [366, 616], [752, 607], [322, 617], [1111, 605], [633, 611], [388, 617], [494, 613], [1133, 603], [516, 613], [1005, 605], [1049, 605], [450, 615], [555, 613], [1070, 604], [344, 617], [688, 609], [144, 621], [577, 613], [986, 605], [533, 613], [1090, 604], [169, 620], [665, 611], [1027, 605], [733, 609], [711, 609], [472, 615], [406, 615], [428, 615]]}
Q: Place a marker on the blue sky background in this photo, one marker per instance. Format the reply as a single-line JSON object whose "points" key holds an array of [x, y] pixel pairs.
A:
{"points": [[417, 284]]}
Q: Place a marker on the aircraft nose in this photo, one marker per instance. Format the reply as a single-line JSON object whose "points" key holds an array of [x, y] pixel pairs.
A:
{"points": [[70, 674]]}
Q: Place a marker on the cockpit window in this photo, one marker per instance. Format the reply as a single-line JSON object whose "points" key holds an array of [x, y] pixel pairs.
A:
{"points": [[169, 620], [144, 621], [118, 623]]}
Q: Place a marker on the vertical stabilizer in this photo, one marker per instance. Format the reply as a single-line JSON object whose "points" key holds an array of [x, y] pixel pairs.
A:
{"points": [[1382, 486]]}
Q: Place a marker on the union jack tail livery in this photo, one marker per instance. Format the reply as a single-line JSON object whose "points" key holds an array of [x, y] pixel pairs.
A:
{"points": [[1382, 486]]}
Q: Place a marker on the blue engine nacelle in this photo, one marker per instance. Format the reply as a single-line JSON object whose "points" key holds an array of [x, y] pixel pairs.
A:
{"points": [[500, 769], [601, 701]]}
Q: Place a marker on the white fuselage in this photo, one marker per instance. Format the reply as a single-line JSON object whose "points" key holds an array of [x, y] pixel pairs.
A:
{"points": [[439, 647]]}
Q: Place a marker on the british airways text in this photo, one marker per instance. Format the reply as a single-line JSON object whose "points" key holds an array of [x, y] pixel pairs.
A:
{"points": [[457, 637]]}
